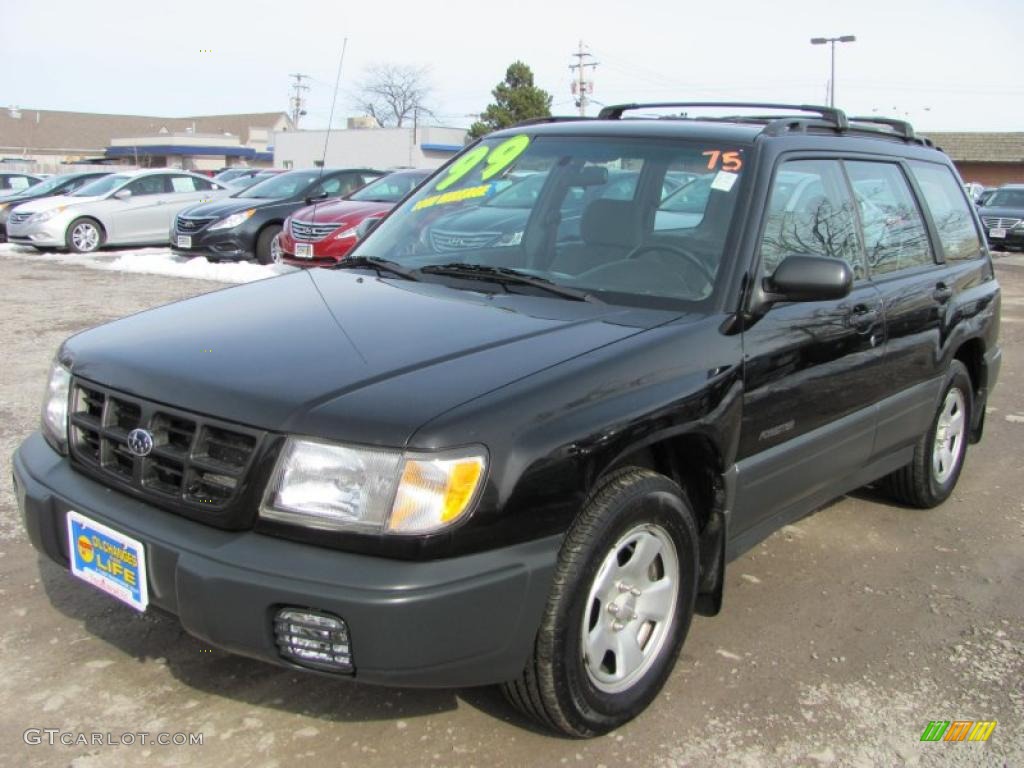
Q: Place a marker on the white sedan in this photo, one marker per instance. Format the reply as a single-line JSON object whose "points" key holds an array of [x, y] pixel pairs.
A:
{"points": [[129, 208]]}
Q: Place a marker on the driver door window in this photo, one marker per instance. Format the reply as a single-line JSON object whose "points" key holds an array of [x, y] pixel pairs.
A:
{"points": [[148, 185], [810, 212]]}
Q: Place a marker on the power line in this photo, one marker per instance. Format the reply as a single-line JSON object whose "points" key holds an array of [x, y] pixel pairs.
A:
{"points": [[581, 87], [298, 101]]}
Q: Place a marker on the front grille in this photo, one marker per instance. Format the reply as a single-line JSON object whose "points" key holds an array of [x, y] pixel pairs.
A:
{"points": [[18, 218], [443, 240], [187, 226], [996, 223], [311, 233], [197, 465]]}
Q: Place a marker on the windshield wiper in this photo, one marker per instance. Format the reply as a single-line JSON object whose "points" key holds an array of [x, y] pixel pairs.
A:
{"points": [[373, 262], [506, 276]]}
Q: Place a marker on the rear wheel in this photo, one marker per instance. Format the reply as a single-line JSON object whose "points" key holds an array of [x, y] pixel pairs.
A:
{"points": [[620, 606], [929, 479], [84, 236], [263, 243]]}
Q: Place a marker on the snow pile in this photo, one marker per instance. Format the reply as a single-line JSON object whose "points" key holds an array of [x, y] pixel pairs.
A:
{"points": [[153, 261]]}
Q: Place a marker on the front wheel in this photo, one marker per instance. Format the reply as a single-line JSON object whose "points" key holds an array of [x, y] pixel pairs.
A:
{"points": [[620, 607], [929, 479], [264, 243], [84, 236]]}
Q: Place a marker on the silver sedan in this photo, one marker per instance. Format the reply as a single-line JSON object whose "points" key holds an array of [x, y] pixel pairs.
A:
{"points": [[130, 208]]}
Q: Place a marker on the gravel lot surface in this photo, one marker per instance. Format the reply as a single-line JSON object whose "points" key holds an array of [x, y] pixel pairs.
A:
{"points": [[840, 638]]}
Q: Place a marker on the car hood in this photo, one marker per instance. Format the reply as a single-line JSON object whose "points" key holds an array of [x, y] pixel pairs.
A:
{"points": [[225, 206], [484, 219], [46, 203], [1002, 213], [340, 354], [337, 211]]}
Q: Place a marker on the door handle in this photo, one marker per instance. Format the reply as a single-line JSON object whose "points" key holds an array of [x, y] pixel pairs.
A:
{"points": [[942, 293], [862, 317]]}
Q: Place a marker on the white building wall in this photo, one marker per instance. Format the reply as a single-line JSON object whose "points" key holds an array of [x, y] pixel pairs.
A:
{"points": [[366, 148]]}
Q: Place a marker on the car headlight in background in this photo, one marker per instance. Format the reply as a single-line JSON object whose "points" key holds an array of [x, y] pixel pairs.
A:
{"points": [[233, 220], [510, 238], [345, 233], [45, 215], [55, 407], [338, 487]]}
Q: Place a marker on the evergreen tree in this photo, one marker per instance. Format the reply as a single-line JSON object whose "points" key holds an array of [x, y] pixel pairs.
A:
{"points": [[516, 98]]}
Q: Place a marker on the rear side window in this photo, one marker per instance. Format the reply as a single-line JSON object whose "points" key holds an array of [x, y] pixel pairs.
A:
{"points": [[949, 210], [810, 212], [183, 184], [895, 237]]}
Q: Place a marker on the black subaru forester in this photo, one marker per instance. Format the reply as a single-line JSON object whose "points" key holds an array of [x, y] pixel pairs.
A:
{"points": [[527, 462]]}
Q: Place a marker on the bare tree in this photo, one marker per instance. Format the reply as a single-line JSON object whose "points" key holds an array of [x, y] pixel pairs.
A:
{"points": [[393, 94]]}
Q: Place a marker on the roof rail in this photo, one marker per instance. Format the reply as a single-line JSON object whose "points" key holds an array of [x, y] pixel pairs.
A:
{"points": [[900, 127], [552, 119], [835, 116]]}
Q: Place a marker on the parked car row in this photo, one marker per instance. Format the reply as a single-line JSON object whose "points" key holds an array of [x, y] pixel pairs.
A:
{"points": [[234, 216]]}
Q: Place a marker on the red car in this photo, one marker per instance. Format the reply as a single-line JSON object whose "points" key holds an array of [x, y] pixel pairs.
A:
{"points": [[323, 233]]}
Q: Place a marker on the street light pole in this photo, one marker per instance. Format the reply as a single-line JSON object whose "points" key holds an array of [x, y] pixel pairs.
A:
{"points": [[832, 41]]}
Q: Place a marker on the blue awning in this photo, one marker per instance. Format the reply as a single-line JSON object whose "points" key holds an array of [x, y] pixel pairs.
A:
{"points": [[442, 147], [176, 149]]}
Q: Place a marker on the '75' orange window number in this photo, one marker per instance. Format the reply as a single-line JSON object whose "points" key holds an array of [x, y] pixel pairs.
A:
{"points": [[726, 161]]}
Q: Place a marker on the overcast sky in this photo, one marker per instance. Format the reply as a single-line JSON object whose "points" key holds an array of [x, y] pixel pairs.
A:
{"points": [[944, 64]]}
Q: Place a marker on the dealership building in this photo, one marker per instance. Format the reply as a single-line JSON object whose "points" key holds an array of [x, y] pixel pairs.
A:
{"points": [[365, 145], [990, 159], [49, 140]]}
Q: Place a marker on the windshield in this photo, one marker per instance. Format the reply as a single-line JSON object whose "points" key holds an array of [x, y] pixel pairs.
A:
{"points": [[282, 185], [389, 189], [43, 186], [580, 212], [101, 186], [1006, 198]]}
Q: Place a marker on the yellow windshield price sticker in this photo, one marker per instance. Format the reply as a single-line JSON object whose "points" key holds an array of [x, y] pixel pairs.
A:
{"points": [[455, 196], [498, 159]]}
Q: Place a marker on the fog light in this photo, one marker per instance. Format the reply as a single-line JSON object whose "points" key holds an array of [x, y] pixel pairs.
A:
{"points": [[313, 639]]}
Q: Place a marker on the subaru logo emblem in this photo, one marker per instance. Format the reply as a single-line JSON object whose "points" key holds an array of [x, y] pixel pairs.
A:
{"points": [[140, 442]]}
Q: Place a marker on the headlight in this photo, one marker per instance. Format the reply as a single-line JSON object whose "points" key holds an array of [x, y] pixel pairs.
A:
{"points": [[3, 207], [338, 487], [233, 220], [510, 238], [349, 232], [55, 407], [45, 215]]}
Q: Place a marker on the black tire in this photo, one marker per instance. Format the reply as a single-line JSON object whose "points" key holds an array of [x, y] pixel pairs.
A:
{"points": [[920, 484], [557, 687], [77, 241], [267, 234]]}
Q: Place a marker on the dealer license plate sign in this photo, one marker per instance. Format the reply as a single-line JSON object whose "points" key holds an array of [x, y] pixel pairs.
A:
{"points": [[184, 241], [999, 233], [304, 250], [110, 561]]}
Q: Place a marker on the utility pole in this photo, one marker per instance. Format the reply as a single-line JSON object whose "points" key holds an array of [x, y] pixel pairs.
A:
{"points": [[298, 101], [581, 87], [832, 41]]}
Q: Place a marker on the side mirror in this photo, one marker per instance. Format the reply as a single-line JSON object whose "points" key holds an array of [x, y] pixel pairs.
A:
{"points": [[366, 226], [809, 278], [315, 198], [123, 194]]}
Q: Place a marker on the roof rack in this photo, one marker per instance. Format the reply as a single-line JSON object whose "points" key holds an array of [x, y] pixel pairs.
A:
{"points": [[830, 114]]}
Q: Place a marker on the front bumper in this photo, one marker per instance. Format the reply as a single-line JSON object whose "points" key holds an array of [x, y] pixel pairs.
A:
{"points": [[1014, 238], [48, 233], [462, 621], [219, 245], [326, 252]]}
